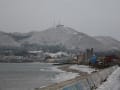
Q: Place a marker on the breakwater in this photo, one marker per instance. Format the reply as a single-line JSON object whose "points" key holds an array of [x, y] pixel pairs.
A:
{"points": [[88, 82]]}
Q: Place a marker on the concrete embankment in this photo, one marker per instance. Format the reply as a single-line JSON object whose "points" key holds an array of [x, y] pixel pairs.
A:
{"points": [[85, 82]]}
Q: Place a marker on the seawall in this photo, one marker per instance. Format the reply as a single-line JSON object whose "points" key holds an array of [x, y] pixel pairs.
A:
{"points": [[88, 82]]}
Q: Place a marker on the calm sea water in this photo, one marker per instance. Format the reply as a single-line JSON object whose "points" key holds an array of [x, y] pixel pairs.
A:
{"points": [[25, 75]]}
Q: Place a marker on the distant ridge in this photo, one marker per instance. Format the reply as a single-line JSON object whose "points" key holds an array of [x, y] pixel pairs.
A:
{"points": [[109, 41], [60, 35]]}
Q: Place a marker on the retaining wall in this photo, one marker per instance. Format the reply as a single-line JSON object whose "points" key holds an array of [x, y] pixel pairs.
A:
{"points": [[86, 83]]}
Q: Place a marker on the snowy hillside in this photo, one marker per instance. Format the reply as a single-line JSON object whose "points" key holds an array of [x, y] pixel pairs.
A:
{"points": [[6, 40], [109, 41], [66, 36], [59, 35], [51, 36]]}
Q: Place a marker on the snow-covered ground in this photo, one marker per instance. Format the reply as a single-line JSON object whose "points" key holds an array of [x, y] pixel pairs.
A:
{"points": [[113, 82], [83, 68], [63, 75]]}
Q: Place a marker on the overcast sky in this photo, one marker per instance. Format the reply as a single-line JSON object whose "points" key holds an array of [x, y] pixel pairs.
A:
{"points": [[94, 17]]}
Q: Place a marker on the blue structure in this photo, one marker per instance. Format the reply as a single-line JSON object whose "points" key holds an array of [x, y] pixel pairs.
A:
{"points": [[93, 59]]}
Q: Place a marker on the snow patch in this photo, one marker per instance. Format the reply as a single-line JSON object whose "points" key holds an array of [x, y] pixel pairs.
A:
{"points": [[43, 86], [113, 82]]}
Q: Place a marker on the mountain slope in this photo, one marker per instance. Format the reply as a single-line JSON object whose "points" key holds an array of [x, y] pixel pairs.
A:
{"points": [[66, 36], [7, 41], [109, 41], [60, 35], [55, 35], [86, 42]]}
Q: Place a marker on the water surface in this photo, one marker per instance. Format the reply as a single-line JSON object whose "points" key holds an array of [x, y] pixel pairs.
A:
{"points": [[25, 75]]}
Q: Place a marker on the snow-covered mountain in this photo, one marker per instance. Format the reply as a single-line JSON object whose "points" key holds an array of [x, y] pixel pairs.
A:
{"points": [[7, 40], [54, 35], [66, 36], [109, 41], [59, 35]]}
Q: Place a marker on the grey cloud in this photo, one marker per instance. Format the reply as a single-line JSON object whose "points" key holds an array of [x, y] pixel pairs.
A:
{"points": [[94, 17]]}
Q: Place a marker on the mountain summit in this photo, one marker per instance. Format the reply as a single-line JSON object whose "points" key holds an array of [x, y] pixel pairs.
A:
{"points": [[61, 35]]}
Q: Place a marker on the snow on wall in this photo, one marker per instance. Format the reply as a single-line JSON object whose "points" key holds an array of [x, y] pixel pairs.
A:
{"points": [[113, 82]]}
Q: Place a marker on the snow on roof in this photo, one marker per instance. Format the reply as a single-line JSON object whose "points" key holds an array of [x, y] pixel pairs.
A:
{"points": [[56, 54], [36, 51]]}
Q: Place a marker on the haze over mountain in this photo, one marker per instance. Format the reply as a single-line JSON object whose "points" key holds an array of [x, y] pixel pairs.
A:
{"points": [[93, 17], [60, 35], [7, 41], [109, 41]]}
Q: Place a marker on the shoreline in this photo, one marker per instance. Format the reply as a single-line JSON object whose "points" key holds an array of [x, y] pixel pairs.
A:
{"points": [[68, 69]]}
